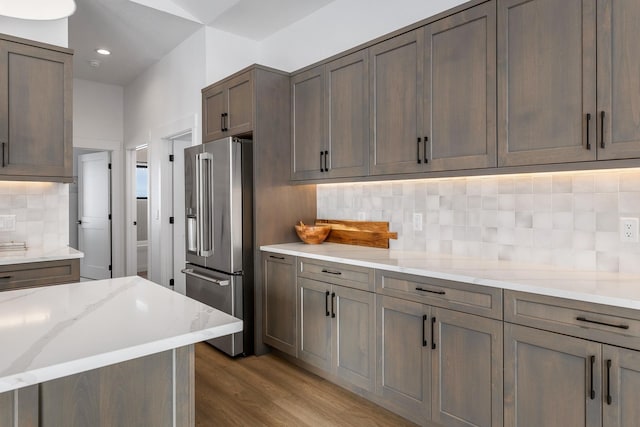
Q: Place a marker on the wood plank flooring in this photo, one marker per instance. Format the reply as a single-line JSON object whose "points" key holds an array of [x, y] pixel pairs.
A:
{"points": [[269, 391]]}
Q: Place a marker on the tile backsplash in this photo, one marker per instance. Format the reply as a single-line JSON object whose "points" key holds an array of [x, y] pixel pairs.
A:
{"points": [[562, 219], [41, 210]]}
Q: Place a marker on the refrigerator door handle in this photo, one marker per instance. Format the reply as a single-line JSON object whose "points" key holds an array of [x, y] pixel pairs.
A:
{"points": [[204, 190], [190, 272]]}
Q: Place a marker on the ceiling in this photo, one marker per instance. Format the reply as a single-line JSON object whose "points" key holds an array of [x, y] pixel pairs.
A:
{"points": [[141, 32]]}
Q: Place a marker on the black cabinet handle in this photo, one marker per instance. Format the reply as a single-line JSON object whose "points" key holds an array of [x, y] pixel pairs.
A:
{"points": [[418, 151], [276, 257], [433, 337], [4, 163], [226, 121], [609, 399], [592, 394], [333, 299], [337, 273], [134, 222], [430, 291], [588, 127], [326, 303], [321, 164], [326, 156], [221, 122], [6, 277], [584, 319], [426, 159], [602, 129], [424, 338]]}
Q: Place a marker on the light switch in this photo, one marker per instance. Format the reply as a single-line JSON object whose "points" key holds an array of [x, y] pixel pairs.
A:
{"points": [[7, 223]]}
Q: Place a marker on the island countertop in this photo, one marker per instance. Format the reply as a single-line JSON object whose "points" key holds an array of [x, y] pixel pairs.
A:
{"points": [[615, 289], [54, 331]]}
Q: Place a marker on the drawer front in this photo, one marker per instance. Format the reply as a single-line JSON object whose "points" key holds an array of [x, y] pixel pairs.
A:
{"points": [[340, 274], [612, 325], [27, 275], [474, 299]]}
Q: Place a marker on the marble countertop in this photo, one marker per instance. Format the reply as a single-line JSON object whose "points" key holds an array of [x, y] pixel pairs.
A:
{"points": [[616, 289], [55, 331], [38, 255]]}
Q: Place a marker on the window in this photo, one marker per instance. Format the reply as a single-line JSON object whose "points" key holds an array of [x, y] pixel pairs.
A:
{"points": [[142, 181]]}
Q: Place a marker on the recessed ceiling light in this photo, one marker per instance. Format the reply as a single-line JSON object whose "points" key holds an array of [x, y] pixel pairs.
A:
{"points": [[103, 51], [38, 9]]}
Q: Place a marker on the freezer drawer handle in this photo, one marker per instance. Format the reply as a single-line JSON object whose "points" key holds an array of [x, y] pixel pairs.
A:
{"points": [[190, 272], [584, 319]]}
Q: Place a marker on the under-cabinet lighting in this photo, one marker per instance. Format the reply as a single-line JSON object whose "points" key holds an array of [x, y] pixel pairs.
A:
{"points": [[39, 10]]}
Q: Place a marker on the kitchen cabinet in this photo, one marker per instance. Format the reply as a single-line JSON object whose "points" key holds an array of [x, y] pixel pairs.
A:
{"points": [[36, 112], [337, 321], [621, 370], [280, 318], [228, 107], [27, 275], [330, 123]]}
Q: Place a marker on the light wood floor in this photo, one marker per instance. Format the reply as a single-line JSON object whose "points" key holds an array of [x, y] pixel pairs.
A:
{"points": [[269, 391]]}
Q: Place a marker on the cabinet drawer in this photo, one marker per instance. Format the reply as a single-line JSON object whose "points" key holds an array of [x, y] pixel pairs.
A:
{"points": [[597, 322], [340, 274], [474, 299], [17, 276]]}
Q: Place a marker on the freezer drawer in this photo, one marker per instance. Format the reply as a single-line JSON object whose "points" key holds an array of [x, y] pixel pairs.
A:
{"points": [[222, 292]]}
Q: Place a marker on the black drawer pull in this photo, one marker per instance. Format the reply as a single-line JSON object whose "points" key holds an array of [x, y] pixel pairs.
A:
{"points": [[418, 151], [584, 319], [602, 129], [430, 291], [588, 128], [424, 338], [326, 303], [337, 273], [276, 257], [5, 277], [433, 337], [333, 299], [592, 393], [609, 399]]}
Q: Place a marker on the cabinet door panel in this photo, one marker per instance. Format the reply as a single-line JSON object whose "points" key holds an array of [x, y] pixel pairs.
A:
{"points": [[546, 81], [213, 106], [240, 104], [315, 324], [307, 92], [467, 370], [460, 90], [547, 379], [280, 290], [623, 383], [396, 80], [404, 372], [347, 103], [618, 82], [354, 335]]}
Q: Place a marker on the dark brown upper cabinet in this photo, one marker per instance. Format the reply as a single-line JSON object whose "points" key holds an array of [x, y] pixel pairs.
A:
{"points": [[330, 123], [227, 108], [36, 84], [433, 96]]}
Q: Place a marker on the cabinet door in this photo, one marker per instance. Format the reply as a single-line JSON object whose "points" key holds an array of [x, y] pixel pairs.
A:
{"points": [[239, 106], [213, 108], [280, 318], [35, 111], [546, 81], [460, 90], [548, 379], [621, 383], [395, 68], [618, 82], [404, 357], [467, 369], [308, 149], [354, 336], [347, 104], [315, 323]]}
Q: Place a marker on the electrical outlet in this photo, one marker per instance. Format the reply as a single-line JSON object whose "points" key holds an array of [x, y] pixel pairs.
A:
{"points": [[7, 223], [417, 221], [629, 229]]}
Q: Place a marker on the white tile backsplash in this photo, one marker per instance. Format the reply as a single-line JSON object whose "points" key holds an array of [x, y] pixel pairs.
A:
{"points": [[562, 219], [41, 210]]}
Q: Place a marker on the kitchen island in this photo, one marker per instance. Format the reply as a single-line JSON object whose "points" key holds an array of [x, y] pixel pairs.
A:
{"points": [[107, 352]]}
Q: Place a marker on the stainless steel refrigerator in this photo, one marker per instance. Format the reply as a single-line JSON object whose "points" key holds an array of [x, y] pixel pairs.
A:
{"points": [[219, 235]]}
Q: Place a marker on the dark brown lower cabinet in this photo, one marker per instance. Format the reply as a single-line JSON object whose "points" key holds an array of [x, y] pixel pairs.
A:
{"points": [[621, 391], [279, 313], [27, 275]]}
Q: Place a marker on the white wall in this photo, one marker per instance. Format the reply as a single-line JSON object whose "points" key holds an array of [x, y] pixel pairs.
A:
{"points": [[341, 25], [98, 124], [53, 32], [227, 53]]}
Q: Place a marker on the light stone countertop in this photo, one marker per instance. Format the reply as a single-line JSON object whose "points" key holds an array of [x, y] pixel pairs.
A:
{"points": [[38, 255], [615, 289], [56, 331]]}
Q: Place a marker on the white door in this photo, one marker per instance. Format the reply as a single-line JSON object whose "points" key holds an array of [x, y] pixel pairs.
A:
{"points": [[94, 208], [179, 250]]}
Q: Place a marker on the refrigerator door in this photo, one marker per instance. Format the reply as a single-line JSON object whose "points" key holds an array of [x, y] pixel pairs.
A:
{"points": [[191, 199], [220, 291]]}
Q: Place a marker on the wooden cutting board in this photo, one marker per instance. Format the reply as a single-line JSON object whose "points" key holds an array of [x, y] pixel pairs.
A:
{"points": [[373, 234]]}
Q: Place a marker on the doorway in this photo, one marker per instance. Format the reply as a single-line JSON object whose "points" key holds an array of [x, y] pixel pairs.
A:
{"points": [[142, 211], [177, 146]]}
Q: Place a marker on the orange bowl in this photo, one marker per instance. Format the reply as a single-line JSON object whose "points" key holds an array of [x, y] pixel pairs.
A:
{"points": [[313, 234]]}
